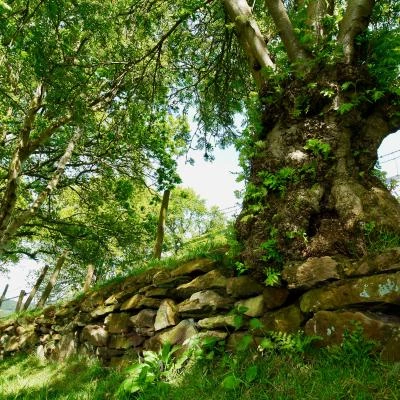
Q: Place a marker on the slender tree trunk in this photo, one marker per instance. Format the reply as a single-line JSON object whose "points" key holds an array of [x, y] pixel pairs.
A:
{"points": [[19, 302], [161, 224], [3, 296], [53, 280], [19, 220], [35, 287], [89, 277]]}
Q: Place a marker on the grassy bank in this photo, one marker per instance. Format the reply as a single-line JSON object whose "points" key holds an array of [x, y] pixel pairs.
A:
{"points": [[321, 376]]}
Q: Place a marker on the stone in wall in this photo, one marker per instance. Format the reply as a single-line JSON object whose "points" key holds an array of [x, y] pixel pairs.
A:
{"points": [[117, 323], [167, 315], [176, 335], [125, 341], [219, 321], [388, 260], [243, 286], [274, 297], [139, 301], [331, 325], [203, 303], [95, 335], [144, 319], [253, 307], [194, 267], [310, 273], [383, 288], [213, 280], [288, 319]]}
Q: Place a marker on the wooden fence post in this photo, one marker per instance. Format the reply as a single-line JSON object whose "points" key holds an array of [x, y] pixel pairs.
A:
{"points": [[3, 296], [36, 287], [52, 280], [19, 303], [161, 224], [89, 277]]}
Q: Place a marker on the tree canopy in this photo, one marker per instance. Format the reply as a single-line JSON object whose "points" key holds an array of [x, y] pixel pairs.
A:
{"points": [[95, 94]]}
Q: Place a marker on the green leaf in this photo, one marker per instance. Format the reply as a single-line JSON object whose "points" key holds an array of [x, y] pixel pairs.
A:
{"points": [[255, 323], [267, 344], [244, 343], [230, 382], [251, 373], [344, 108]]}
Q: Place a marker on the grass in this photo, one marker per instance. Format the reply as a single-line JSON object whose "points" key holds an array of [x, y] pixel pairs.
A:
{"points": [[206, 248], [320, 376]]}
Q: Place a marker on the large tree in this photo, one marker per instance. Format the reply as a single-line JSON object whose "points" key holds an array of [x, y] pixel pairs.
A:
{"points": [[319, 83], [328, 80]]}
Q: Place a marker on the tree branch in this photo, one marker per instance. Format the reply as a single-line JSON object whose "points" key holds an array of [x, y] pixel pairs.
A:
{"points": [[316, 11], [354, 22], [21, 153], [281, 19], [12, 228], [250, 38]]}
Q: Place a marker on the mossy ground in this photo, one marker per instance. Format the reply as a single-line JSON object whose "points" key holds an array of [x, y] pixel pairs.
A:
{"points": [[320, 376]]}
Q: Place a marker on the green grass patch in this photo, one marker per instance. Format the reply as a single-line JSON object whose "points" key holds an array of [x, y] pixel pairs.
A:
{"points": [[28, 378], [322, 375]]}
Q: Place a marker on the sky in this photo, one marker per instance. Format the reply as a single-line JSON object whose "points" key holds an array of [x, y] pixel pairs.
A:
{"points": [[216, 183]]}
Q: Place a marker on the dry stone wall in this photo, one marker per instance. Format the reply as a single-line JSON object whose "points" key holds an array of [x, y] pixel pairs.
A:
{"points": [[324, 296]]}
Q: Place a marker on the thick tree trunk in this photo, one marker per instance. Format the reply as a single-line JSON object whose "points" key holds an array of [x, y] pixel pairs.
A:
{"points": [[312, 191]]}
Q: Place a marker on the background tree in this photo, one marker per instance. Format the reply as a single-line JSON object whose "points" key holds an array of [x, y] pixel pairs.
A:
{"points": [[189, 218], [78, 97]]}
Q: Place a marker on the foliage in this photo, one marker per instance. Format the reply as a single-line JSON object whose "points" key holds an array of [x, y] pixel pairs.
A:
{"points": [[378, 239], [354, 345], [152, 369], [278, 182], [272, 277], [189, 218], [318, 148]]}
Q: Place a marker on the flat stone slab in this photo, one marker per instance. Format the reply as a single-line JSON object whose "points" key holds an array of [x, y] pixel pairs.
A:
{"points": [[139, 301], [219, 321], [212, 280], [387, 260], [310, 273], [203, 303], [331, 325], [383, 288], [243, 286], [194, 267]]}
